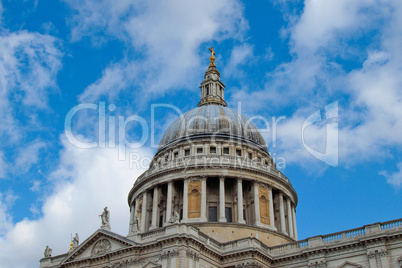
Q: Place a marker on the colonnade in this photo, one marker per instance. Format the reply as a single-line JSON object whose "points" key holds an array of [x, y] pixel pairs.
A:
{"points": [[152, 209]]}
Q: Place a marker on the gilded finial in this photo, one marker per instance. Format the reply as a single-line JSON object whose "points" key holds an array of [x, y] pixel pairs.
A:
{"points": [[212, 58]]}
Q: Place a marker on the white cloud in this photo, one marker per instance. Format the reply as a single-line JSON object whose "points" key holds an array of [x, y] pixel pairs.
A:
{"points": [[115, 78], [395, 179], [28, 155], [370, 98], [35, 186], [85, 181], [3, 166], [241, 55], [7, 200], [29, 63], [166, 34], [322, 22]]}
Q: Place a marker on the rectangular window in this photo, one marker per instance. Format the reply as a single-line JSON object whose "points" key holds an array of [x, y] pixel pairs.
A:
{"points": [[250, 155], [228, 214], [213, 214], [187, 152], [161, 221], [176, 155], [212, 150], [259, 160], [199, 150], [238, 152], [226, 150]]}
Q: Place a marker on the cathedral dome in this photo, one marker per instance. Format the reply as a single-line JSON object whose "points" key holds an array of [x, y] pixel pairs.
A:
{"points": [[212, 121]]}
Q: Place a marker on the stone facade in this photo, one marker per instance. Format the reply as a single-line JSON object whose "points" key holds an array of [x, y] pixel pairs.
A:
{"points": [[213, 197], [184, 245]]}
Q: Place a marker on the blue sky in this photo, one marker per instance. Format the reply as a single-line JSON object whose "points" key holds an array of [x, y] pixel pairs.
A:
{"points": [[277, 58]]}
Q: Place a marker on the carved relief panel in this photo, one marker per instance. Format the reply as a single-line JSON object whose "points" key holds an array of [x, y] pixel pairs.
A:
{"points": [[194, 199], [264, 204]]}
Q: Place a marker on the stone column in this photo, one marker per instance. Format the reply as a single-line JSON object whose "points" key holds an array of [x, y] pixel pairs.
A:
{"points": [[132, 214], [282, 214], [137, 200], [294, 222], [169, 201], [144, 211], [290, 221], [222, 217], [203, 198], [256, 205], [240, 217], [155, 199], [271, 210], [185, 200]]}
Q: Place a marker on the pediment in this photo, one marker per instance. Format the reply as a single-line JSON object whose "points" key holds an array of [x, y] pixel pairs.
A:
{"points": [[348, 264], [99, 243]]}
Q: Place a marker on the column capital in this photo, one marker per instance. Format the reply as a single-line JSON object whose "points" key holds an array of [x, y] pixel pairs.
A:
{"points": [[240, 178], [222, 177], [203, 176]]}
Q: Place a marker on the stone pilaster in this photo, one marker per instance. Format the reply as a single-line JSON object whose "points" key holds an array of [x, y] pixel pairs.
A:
{"points": [[294, 222], [372, 259], [240, 217], [169, 201], [155, 199], [290, 221], [222, 217], [383, 253], [203, 198], [144, 211], [271, 210], [256, 204], [132, 216], [282, 214], [185, 200]]}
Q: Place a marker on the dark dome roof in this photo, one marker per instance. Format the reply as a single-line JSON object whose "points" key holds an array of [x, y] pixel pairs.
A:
{"points": [[212, 120]]}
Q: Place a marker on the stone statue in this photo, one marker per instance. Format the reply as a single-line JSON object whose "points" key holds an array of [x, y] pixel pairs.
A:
{"points": [[212, 58], [175, 217], [48, 252], [76, 240], [135, 224], [105, 217]]}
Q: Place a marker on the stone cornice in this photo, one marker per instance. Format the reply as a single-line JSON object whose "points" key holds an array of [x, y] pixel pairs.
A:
{"points": [[217, 171]]}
